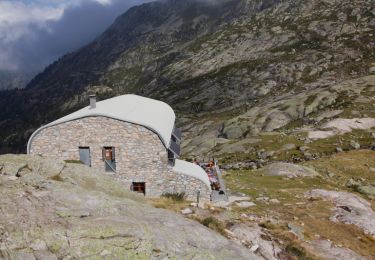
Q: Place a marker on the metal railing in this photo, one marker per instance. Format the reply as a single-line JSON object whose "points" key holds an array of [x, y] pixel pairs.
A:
{"points": [[221, 181], [177, 133], [175, 148], [110, 166]]}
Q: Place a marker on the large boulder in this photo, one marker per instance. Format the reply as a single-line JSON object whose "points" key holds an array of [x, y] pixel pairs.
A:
{"points": [[288, 170], [57, 210], [367, 190]]}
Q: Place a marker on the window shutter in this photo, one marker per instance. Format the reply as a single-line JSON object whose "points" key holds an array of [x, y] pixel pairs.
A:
{"points": [[103, 153], [113, 154]]}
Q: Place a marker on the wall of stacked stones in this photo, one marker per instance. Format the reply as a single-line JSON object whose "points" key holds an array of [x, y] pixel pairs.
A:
{"points": [[139, 152], [190, 186]]}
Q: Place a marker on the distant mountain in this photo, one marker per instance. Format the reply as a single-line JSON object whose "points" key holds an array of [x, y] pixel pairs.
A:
{"points": [[12, 80], [233, 69]]}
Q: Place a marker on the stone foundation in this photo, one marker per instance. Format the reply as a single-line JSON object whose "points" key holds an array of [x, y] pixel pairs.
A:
{"points": [[140, 154]]}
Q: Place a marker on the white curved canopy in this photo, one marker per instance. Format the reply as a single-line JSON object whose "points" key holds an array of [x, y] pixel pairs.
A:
{"points": [[191, 169], [153, 114]]}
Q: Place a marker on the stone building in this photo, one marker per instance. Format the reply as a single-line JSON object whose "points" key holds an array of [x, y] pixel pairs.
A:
{"points": [[132, 138]]}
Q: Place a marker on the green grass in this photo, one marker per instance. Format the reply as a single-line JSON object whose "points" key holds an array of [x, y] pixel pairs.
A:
{"points": [[214, 223], [312, 216]]}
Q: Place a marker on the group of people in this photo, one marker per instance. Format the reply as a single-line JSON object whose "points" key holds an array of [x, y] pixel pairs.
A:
{"points": [[209, 168]]}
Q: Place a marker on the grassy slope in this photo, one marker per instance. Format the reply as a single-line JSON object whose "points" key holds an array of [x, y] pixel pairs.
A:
{"points": [[311, 216]]}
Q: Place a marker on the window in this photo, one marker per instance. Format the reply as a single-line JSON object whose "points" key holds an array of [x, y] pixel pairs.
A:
{"points": [[139, 187], [84, 155], [109, 159]]}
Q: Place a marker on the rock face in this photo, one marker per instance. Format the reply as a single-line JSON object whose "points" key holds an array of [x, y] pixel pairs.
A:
{"points": [[256, 239], [289, 170], [341, 126], [349, 209], [327, 250], [53, 210], [367, 190]]}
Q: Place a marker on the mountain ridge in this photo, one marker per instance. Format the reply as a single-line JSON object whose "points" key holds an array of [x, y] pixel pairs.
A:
{"points": [[212, 64]]}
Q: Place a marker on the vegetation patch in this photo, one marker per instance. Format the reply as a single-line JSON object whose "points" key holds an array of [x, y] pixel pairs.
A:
{"points": [[176, 196], [214, 223], [74, 161]]}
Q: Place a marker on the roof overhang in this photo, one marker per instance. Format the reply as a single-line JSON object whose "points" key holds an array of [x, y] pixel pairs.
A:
{"points": [[191, 169]]}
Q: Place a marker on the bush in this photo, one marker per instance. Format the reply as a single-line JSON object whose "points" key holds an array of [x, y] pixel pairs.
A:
{"points": [[176, 196], [214, 223]]}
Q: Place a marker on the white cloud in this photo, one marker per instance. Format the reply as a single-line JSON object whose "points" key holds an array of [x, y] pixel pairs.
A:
{"points": [[15, 21], [33, 33]]}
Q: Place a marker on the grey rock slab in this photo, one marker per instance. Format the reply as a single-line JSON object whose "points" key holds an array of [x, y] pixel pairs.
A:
{"points": [[288, 147], [367, 190], [349, 209], [86, 213], [253, 236], [289, 170], [274, 201], [232, 199], [187, 211], [245, 204], [222, 204], [326, 250]]}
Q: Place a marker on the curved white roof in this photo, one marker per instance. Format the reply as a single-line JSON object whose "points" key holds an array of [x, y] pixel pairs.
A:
{"points": [[191, 169], [153, 114]]}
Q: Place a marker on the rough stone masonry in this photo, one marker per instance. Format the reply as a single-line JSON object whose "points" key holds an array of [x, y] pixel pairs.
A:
{"points": [[140, 154]]}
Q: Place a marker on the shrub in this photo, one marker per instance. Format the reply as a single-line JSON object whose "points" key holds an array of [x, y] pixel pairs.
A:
{"points": [[176, 196], [73, 161], [214, 223]]}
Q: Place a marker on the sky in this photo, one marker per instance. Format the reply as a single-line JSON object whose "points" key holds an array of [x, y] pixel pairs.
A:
{"points": [[34, 33]]}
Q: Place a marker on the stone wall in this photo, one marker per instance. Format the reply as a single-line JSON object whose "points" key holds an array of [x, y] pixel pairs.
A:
{"points": [[140, 154]]}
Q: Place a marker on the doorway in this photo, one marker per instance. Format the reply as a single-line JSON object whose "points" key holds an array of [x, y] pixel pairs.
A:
{"points": [[84, 155]]}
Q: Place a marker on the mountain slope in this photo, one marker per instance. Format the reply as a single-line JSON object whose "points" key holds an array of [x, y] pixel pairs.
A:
{"points": [[54, 210], [232, 70]]}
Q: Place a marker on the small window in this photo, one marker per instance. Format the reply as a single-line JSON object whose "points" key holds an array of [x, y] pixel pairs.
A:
{"points": [[109, 159], [139, 187]]}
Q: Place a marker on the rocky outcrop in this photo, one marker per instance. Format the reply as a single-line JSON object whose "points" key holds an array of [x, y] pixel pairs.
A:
{"points": [[326, 250], [256, 240], [54, 210], [349, 209], [289, 170], [342, 126]]}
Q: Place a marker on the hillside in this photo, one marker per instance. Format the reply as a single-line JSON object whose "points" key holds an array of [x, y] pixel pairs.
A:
{"points": [[51, 209], [239, 73]]}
